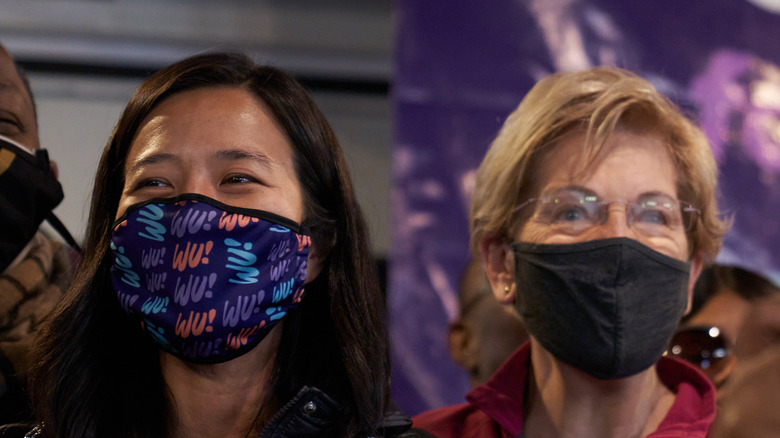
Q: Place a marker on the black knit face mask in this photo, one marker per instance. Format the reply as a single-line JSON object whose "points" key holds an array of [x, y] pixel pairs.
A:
{"points": [[28, 194], [606, 307]]}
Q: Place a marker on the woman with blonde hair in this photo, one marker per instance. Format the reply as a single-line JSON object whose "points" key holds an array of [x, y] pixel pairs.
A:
{"points": [[593, 212]]}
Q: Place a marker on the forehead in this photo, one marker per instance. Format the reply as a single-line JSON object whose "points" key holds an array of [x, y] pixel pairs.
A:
{"points": [[627, 165], [208, 119], [217, 103]]}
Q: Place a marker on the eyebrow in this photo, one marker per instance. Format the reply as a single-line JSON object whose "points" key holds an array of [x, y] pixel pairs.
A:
{"points": [[569, 188], [586, 191], [242, 154], [224, 155], [655, 193], [149, 160]]}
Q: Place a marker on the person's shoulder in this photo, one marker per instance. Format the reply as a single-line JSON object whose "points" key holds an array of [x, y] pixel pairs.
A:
{"points": [[463, 419]]}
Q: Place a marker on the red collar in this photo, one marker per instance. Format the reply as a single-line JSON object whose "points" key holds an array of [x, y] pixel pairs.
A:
{"points": [[693, 410]]}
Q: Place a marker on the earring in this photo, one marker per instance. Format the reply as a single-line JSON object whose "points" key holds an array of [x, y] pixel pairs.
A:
{"points": [[506, 289]]}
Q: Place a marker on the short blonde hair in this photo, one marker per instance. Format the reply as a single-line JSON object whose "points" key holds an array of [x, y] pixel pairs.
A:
{"points": [[598, 102]]}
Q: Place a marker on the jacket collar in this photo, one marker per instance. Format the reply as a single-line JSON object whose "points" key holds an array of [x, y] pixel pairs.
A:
{"points": [[310, 412], [502, 396]]}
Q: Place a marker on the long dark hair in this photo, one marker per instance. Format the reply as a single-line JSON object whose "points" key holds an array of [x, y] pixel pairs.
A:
{"points": [[98, 375]]}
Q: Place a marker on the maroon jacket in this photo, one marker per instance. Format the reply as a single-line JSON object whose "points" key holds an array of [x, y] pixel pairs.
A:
{"points": [[495, 409]]}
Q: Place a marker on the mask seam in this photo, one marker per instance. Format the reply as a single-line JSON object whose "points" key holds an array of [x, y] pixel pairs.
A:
{"points": [[618, 316]]}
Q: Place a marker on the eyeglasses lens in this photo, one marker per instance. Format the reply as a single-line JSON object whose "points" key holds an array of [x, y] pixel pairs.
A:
{"points": [[572, 212], [704, 347]]}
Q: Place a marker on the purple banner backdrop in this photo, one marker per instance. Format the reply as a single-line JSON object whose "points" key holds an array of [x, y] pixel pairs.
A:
{"points": [[462, 66]]}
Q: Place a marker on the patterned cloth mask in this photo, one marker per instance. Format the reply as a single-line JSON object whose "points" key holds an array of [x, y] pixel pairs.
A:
{"points": [[206, 280]]}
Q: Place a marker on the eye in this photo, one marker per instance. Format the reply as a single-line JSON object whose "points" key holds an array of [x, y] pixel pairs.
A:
{"points": [[239, 179], [151, 182], [560, 211], [10, 127], [570, 213], [652, 216], [658, 212]]}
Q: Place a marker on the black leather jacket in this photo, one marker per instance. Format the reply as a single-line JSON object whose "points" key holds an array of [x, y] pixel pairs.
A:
{"points": [[309, 414]]}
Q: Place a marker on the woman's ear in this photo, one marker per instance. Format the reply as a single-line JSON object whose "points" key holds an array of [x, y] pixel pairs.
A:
{"points": [[499, 264]]}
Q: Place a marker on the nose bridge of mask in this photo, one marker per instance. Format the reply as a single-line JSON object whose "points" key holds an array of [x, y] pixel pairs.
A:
{"points": [[16, 144], [9, 151], [614, 279], [25, 164], [612, 283]]}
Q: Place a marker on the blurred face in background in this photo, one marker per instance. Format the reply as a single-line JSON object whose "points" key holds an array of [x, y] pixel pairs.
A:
{"points": [[17, 114], [485, 333]]}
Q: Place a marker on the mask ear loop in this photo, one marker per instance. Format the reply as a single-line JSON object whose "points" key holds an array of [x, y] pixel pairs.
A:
{"points": [[43, 159]]}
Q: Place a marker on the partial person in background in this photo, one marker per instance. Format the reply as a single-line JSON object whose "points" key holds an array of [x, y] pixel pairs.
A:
{"points": [[722, 299], [593, 212], [485, 333], [228, 288], [748, 400], [36, 268]]}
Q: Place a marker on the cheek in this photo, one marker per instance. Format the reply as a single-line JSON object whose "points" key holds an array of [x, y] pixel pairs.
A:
{"points": [[125, 200], [123, 204], [680, 248], [676, 247], [536, 233]]}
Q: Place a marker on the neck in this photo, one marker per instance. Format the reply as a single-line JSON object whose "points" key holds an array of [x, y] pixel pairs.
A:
{"points": [[222, 400], [563, 401]]}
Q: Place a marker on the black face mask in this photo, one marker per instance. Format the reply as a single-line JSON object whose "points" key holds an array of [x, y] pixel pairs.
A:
{"points": [[606, 307], [28, 194]]}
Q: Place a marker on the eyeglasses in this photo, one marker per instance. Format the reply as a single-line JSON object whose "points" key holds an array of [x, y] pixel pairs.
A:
{"points": [[575, 211], [705, 347]]}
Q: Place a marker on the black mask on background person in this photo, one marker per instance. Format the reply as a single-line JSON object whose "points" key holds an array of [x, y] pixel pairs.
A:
{"points": [[28, 194], [606, 307]]}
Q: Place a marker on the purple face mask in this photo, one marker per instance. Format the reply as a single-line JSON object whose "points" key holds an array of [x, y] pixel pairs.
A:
{"points": [[207, 281]]}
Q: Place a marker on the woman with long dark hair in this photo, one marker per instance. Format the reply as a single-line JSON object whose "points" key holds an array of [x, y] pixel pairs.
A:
{"points": [[227, 288]]}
